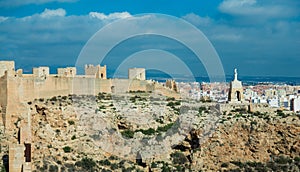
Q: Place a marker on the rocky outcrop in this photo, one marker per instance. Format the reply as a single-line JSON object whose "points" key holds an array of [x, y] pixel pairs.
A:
{"points": [[140, 131]]}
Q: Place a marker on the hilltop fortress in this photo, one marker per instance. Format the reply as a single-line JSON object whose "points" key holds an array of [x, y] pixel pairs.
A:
{"points": [[17, 87]]}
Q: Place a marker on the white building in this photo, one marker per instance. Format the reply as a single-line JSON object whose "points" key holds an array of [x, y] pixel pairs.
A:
{"points": [[274, 102], [295, 104]]}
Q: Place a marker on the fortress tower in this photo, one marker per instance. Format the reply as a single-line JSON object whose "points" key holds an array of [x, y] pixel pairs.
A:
{"points": [[8, 66], [137, 73], [236, 89], [97, 71], [171, 84], [66, 72]]}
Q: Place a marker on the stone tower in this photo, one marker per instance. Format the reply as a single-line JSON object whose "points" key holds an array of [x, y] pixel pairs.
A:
{"points": [[137, 73], [96, 71], [171, 84], [236, 89]]}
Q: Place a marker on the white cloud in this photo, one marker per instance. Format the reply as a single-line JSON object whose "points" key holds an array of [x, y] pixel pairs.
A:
{"points": [[230, 4], [260, 9], [51, 13], [226, 37], [198, 20], [111, 16], [47, 39], [11, 3], [2, 19]]}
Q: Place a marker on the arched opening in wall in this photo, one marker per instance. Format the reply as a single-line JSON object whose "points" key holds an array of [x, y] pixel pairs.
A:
{"points": [[238, 95], [102, 75], [19, 136], [112, 89], [5, 161], [27, 152]]}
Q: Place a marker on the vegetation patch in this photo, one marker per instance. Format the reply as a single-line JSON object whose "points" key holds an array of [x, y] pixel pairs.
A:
{"points": [[67, 149]]}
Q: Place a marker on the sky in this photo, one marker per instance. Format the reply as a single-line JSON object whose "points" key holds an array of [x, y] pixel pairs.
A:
{"points": [[259, 37]]}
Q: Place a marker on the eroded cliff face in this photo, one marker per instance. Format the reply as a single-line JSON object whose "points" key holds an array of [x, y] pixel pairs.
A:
{"points": [[147, 132], [252, 139]]}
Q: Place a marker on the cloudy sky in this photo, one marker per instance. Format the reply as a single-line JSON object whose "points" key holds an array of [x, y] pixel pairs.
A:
{"points": [[259, 37]]}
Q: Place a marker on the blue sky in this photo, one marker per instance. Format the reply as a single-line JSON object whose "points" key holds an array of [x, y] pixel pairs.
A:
{"points": [[259, 37]]}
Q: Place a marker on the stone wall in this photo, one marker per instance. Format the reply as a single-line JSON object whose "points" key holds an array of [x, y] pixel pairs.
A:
{"points": [[160, 89], [228, 107], [17, 89], [3, 98], [16, 156]]}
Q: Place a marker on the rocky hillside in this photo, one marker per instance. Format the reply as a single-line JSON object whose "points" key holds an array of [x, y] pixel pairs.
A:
{"points": [[147, 132]]}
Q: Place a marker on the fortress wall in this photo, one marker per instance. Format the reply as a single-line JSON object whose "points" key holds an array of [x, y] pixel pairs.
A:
{"points": [[83, 86], [14, 109], [35, 88], [103, 85], [125, 85], [232, 106], [160, 89], [120, 85], [52, 86], [263, 108], [3, 98], [28, 92], [3, 91], [136, 85]]}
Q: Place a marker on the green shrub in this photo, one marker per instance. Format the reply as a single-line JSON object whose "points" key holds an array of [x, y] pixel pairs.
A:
{"points": [[224, 165], [87, 164], [53, 99], [71, 122], [171, 99], [53, 168], [201, 109], [73, 137], [67, 149], [3, 169], [283, 160], [114, 166], [57, 131], [106, 162], [149, 131], [171, 104], [127, 133], [164, 128], [102, 107], [178, 158], [177, 103], [153, 165], [238, 163]]}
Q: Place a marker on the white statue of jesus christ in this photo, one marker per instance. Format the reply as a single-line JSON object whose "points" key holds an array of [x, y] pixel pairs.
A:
{"points": [[235, 74]]}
